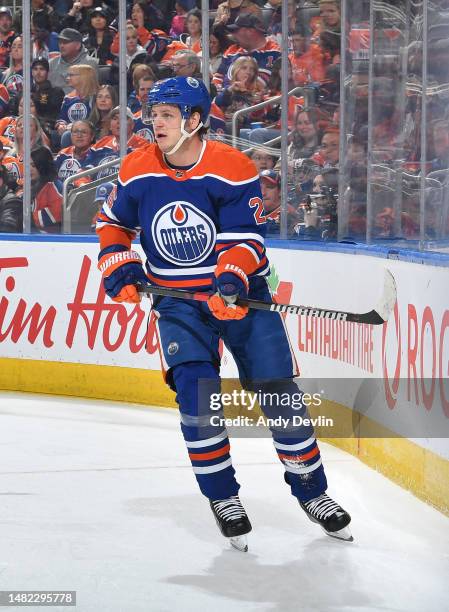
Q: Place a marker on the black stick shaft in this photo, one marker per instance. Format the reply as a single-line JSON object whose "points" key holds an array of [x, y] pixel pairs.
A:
{"points": [[372, 317]]}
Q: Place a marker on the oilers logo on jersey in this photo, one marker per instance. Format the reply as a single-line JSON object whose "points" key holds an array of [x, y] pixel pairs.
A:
{"points": [[69, 167], [77, 111], [111, 169], [183, 234]]}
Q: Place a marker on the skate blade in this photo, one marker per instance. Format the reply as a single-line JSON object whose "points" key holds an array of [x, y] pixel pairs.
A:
{"points": [[240, 543], [343, 534]]}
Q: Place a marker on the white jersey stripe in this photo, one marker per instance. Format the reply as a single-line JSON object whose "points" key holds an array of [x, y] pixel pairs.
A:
{"points": [[207, 441], [253, 251], [181, 272], [302, 469], [210, 469], [208, 174], [232, 236], [294, 447]]}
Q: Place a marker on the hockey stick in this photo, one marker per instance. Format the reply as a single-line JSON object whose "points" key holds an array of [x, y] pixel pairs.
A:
{"points": [[377, 316]]}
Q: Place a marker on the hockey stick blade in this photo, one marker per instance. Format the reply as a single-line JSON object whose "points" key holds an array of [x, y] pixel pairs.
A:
{"points": [[377, 316]]}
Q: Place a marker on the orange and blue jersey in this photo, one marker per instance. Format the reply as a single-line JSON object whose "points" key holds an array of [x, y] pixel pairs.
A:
{"points": [[217, 120], [188, 218], [4, 100], [108, 149], [142, 129], [46, 207], [8, 129], [265, 57], [74, 108], [68, 164], [14, 166], [13, 82]]}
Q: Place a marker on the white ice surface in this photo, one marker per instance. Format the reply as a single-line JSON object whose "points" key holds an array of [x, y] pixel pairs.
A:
{"points": [[99, 498]]}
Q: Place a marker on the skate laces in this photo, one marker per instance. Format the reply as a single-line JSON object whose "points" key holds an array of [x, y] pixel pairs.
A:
{"points": [[323, 507], [229, 509]]}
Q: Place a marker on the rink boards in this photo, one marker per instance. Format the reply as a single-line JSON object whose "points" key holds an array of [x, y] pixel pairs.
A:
{"points": [[386, 387]]}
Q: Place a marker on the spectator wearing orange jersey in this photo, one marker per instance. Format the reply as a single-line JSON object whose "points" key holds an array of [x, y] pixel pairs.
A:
{"points": [[46, 192], [4, 100], [7, 35], [307, 64], [14, 160]]}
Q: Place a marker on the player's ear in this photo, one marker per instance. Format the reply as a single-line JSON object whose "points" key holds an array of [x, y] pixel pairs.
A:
{"points": [[193, 121]]}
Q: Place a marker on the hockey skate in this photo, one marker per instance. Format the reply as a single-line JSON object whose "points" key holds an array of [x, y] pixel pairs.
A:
{"points": [[232, 521], [329, 515]]}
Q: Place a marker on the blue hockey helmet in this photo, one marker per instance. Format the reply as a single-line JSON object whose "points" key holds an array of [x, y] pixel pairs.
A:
{"points": [[185, 92]]}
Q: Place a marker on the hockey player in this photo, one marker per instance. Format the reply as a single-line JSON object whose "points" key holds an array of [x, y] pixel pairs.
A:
{"points": [[198, 207]]}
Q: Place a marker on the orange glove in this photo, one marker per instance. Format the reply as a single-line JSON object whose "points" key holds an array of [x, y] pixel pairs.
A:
{"points": [[226, 312], [231, 284]]}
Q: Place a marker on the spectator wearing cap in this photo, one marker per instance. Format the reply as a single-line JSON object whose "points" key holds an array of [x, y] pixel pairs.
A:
{"points": [[270, 184], [78, 16], [108, 147], [46, 192], [99, 38], [228, 11], [249, 32], [72, 52], [47, 99], [7, 35]]}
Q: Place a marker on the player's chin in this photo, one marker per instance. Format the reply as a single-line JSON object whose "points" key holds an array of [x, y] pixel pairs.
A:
{"points": [[163, 143]]}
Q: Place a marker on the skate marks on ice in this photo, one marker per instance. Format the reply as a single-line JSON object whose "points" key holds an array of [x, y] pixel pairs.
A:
{"points": [[293, 566], [113, 511]]}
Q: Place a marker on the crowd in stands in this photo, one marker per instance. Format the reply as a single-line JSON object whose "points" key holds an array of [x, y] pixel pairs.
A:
{"points": [[75, 117]]}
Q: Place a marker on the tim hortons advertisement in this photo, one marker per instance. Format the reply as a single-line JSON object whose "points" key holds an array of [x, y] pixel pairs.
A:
{"points": [[53, 307]]}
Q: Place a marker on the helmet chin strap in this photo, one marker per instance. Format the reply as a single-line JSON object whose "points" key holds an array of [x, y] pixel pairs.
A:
{"points": [[184, 136]]}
